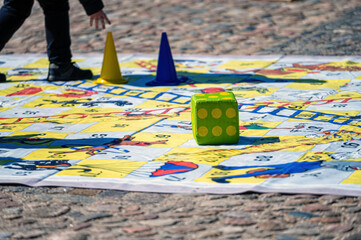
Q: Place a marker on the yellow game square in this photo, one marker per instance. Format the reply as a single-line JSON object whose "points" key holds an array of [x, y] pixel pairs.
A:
{"points": [[356, 123], [40, 63], [36, 138], [87, 84], [4, 109], [150, 64], [61, 119], [350, 128], [163, 139], [209, 156], [297, 143], [135, 93], [253, 64], [325, 118], [346, 65], [340, 119], [4, 70], [32, 71], [217, 173], [348, 96], [120, 126], [183, 115], [8, 121], [256, 128], [102, 168], [12, 125], [21, 90], [304, 115], [64, 153], [298, 105], [18, 78], [313, 156], [283, 73], [355, 178]]}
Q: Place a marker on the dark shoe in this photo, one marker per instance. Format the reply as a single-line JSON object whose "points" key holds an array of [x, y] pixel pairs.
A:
{"points": [[67, 72], [2, 77]]}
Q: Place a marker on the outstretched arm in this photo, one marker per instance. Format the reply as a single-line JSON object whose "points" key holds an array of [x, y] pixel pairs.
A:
{"points": [[99, 17]]}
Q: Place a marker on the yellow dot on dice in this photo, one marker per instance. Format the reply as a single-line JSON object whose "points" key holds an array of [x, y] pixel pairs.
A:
{"points": [[231, 130], [203, 131], [216, 113], [213, 96], [202, 113], [230, 113], [202, 99], [217, 131], [224, 93]]}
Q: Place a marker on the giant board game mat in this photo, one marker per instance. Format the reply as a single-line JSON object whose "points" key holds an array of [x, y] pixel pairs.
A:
{"points": [[299, 116]]}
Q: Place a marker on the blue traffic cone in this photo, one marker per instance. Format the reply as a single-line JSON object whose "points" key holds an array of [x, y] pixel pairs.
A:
{"points": [[166, 73]]}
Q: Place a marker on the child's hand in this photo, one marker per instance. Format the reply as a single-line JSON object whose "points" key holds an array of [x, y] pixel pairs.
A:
{"points": [[99, 17]]}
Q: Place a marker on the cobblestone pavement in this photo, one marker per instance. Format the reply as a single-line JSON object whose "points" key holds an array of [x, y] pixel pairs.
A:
{"points": [[309, 27], [318, 27]]}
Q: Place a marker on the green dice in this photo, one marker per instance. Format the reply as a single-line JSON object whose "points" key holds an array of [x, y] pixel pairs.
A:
{"points": [[215, 118]]}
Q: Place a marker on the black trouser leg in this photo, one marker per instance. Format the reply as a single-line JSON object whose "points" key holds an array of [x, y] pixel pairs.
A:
{"points": [[57, 30], [12, 15]]}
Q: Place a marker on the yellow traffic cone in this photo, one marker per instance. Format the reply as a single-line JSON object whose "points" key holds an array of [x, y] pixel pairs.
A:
{"points": [[110, 73]]}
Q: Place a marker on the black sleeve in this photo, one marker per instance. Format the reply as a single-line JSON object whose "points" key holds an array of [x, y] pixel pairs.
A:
{"points": [[92, 6]]}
